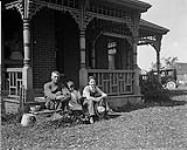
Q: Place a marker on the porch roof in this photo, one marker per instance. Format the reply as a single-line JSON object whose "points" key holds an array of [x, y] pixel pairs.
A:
{"points": [[148, 28], [135, 4]]}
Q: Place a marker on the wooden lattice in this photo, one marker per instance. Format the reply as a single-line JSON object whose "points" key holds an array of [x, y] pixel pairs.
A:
{"points": [[114, 82]]}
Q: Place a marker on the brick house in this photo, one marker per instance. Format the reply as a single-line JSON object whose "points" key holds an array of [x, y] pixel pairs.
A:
{"points": [[79, 38]]}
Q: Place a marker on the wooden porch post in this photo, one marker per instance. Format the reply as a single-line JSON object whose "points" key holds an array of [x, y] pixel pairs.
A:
{"points": [[135, 67], [27, 70], [83, 22], [158, 64], [157, 46], [82, 48], [135, 39], [83, 74], [2, 79], [2, 69]]}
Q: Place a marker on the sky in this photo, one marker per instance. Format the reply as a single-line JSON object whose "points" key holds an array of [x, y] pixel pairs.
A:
{"points": [[171, 14]]}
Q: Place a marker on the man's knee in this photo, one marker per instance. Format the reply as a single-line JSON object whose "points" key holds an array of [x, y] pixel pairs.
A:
{"points": [[50, 105], [66, 99]]}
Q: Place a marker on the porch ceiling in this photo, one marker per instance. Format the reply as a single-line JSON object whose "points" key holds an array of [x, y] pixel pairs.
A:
{"points": [[150, 29]]}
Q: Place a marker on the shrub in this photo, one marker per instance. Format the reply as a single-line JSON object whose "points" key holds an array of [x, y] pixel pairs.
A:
{"points": [[152, 90]]}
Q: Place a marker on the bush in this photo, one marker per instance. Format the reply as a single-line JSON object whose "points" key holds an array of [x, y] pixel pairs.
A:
{"points": [[152, 90]]}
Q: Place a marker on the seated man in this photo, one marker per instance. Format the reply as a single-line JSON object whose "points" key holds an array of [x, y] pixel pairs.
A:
{"points": [[56, 94], [75, 101], [92, 95]]}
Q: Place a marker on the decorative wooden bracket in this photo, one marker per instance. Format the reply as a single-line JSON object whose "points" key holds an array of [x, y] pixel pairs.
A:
{"points": [[157, 44], [26, 8], [81, 19]]}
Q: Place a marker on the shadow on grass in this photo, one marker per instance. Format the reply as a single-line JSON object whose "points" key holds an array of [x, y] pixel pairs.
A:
{"points": [[176, 98], [177, 92], [129, 107], [111, 116]]}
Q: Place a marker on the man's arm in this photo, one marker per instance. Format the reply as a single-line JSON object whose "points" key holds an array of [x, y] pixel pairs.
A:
{"points": [[103, 95], [79, 95], [65, 94], [101, 92], [86, 93], [48, 93], [80, 98]]}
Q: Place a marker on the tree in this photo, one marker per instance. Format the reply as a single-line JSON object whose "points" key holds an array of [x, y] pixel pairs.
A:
{"points": [[170, 61]]}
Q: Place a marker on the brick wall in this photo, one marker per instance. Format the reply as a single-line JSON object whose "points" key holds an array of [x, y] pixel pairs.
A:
{"points": [[47, 25], [43, 47]]}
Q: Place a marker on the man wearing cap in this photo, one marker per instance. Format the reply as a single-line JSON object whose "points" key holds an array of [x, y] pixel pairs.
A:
{"points": [[56, 94]]}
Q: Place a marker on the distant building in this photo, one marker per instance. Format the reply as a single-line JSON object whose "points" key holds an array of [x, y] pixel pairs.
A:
{"points": [[181, 69]]}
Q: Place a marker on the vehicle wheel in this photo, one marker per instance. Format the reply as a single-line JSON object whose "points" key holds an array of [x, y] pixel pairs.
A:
{"points": [[171, 85]]}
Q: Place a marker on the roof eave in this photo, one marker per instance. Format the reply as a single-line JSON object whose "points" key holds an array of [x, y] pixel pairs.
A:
{"points": [[146, 25], [141, 6], [134, 4]]}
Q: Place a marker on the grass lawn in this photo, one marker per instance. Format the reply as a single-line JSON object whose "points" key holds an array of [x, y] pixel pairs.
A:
{"points": [[150, 128]]}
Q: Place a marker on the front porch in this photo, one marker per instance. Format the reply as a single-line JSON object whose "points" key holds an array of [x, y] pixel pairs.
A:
{"points": [[113, 82], [118, 84], [78, 38]]}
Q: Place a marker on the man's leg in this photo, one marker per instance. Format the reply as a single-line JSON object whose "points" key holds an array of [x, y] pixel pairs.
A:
{"points": [[49, 104], [108, 109], [58, 105], [91, 107], [64, 104], [91, 111]]}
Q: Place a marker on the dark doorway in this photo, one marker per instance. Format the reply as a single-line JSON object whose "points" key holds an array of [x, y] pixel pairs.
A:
{"points": [[67, 45]]}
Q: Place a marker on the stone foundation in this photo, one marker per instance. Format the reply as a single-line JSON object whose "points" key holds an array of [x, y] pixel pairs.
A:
{"points": [[11, 106]]}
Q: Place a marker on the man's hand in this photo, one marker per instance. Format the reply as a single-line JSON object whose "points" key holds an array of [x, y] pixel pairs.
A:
{"points": [[59, 97], [98, 99], [58, 93]]}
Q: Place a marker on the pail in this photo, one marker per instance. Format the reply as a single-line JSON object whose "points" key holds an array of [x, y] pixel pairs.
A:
{"points": [[100, 109], [28, 120]]}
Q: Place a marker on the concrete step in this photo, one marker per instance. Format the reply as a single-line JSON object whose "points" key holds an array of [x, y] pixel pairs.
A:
{"points": [[45, 111]]}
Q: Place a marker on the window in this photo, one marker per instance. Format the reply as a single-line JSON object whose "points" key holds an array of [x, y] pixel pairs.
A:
{"points": [[111, 46]]}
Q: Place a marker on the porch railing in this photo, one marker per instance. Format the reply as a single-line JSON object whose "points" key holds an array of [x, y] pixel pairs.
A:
{"points": [[114, 82], [14, 82]]}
